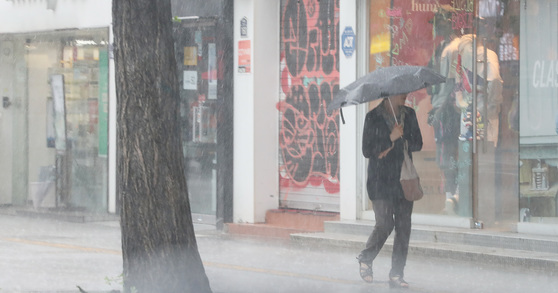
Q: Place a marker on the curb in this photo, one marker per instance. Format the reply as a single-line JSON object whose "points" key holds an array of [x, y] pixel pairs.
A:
{"points": [[539, 261]]}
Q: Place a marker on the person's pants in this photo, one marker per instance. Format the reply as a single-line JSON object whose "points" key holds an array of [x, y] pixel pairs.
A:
{"points": [[446, 158], [391, 214], [450, 180]]}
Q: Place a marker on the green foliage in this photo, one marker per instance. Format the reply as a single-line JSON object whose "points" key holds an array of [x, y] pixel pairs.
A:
{"points": [[120, 281], [115, 280]]}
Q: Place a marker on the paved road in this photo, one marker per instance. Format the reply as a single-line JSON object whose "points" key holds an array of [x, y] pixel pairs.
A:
{"points": [[38, 255]]}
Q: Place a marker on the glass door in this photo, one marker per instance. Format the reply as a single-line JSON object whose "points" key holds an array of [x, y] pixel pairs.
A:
{"points": [[488, 79], [198, 76], [468, 164]]}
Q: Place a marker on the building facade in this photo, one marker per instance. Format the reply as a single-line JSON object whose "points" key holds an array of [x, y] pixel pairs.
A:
{"points": [[58, 97], [256, 78], [489, 132], [58, 118]]}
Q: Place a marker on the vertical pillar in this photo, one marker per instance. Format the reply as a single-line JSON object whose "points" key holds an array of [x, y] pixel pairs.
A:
{"points": [[348, 146], [256, 90], [113, 204]]}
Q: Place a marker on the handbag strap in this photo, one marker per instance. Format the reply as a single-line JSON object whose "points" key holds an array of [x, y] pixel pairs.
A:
{"points": [[405, 143], [405, 146], [402, 114]]}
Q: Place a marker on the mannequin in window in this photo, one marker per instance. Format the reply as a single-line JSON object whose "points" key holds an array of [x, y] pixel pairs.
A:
{"points": [[445, 115]]}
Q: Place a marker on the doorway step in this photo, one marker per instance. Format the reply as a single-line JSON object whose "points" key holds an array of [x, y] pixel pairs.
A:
{"points": [[281, 223], [77, 215]]}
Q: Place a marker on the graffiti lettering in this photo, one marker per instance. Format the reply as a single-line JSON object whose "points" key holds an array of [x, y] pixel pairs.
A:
{"points": [[314, 44], [328, 29], [295, 36], [308, 136]]}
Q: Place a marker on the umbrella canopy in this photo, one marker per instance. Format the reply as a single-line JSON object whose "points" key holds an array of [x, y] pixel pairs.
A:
{"points": [[385, 82]]}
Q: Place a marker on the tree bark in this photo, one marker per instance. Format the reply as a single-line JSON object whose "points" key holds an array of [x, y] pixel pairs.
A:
{"points": [[159, 247]]}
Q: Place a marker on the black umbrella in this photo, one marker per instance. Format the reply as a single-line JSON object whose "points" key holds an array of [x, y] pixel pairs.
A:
{"points": [[385, 82]]}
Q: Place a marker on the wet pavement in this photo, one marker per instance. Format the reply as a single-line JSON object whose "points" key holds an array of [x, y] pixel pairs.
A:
{"points": [[46, 255]]}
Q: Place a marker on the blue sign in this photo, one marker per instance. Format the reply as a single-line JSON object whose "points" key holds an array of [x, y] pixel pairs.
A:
{"points": [[348, 40]]}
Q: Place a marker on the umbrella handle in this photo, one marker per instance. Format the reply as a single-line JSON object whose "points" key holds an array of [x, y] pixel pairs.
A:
{"points": [[393, 112], [341, 112]]}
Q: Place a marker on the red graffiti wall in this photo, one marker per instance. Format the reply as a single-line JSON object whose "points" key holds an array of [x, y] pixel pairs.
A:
{"points": [[308, 136]]}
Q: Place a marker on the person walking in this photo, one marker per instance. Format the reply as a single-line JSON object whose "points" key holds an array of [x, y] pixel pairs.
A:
{"points": [[386, 129]]}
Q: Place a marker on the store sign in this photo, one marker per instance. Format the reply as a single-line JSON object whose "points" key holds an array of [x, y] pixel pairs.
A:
{"points": [[545, 74], [190, 80], [190, 56], [244, 56], [348, 40], [539, 76], [244, 27]]}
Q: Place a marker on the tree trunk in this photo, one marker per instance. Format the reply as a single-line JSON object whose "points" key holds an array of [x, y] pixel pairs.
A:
{"points": [[159, 247]]}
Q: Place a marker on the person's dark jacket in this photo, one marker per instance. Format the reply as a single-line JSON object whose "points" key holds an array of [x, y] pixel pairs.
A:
{"points": [[383, 174]]}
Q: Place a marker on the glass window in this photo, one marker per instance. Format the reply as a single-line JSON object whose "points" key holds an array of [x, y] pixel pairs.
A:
{"points": [[200, 74], [538, 118], [59, 114], [468, 161]]}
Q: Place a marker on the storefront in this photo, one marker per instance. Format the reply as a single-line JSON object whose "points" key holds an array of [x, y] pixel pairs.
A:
{"points": [[59, 115], [490, 143], [54, 80], [490, 138], [467, 178], [58, 120]]}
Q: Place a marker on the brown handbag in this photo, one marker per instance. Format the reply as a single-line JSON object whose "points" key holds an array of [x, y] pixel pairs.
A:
{"points": [[410, 180]]}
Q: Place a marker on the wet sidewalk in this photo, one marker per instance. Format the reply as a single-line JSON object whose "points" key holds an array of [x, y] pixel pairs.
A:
{"points": [[531, 251], [47, 255]]}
